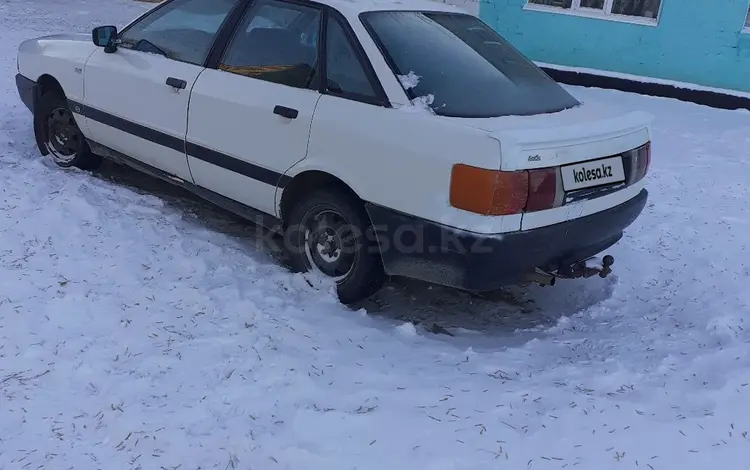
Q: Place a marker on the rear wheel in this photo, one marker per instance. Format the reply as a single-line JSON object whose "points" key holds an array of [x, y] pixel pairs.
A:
{"points": [[61, 137], [329, 232]]}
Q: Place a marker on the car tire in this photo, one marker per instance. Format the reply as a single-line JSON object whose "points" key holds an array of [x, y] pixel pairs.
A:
{"points": [[330, 232], [61, 138]]}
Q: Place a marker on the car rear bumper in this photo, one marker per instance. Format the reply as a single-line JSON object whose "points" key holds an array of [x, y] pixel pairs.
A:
{"points": [[436, 253], [26, 90]]}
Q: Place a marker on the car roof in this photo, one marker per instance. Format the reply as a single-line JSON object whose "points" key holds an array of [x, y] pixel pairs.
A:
{"points": [[355, 7]]}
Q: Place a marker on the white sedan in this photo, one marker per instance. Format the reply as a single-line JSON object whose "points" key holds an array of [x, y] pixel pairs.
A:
{"points": [[380, 137]]}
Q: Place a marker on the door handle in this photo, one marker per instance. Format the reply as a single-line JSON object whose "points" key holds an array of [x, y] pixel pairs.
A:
{"points": [[289, 113], [176, 83]]}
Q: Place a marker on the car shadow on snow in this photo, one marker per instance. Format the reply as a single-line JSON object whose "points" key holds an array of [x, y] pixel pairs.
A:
{"points": [[432, 309]]}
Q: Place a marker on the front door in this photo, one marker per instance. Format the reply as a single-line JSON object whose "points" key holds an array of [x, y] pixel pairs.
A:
{"points": [[249, 121], [137, 97]]}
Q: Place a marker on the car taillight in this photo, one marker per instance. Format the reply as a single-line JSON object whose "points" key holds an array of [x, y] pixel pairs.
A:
{"points": [[488, 192], [542, 189], [642, 157], [495, 192]]}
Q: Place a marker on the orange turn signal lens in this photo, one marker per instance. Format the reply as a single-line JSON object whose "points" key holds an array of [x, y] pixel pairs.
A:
{"points": [[488, 192]]}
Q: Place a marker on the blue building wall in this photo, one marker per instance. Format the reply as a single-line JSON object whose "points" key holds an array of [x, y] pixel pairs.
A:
{"points": [[695, 41]]}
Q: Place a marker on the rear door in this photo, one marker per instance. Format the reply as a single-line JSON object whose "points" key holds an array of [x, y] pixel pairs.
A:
{"points": [[250, 117], [137, 97]]}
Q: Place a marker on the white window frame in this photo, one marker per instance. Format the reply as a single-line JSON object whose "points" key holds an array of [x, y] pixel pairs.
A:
{"points": [[745, 28], [604, 14]]}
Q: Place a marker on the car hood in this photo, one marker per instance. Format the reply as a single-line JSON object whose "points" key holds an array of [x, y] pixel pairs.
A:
{"points": [[77, 37], [57, 42]]}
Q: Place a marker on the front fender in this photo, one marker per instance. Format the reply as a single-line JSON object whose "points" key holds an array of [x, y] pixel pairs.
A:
{"points": [[62, 57]]}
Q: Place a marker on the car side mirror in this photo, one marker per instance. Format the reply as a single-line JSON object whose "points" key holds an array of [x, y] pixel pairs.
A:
{"points": [[106, 37]]}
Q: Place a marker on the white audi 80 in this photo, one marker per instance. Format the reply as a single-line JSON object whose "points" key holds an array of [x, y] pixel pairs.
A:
{"points": [[379, 138]]}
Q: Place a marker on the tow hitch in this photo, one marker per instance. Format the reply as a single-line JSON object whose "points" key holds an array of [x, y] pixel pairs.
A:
{"points": [[588, 268]]}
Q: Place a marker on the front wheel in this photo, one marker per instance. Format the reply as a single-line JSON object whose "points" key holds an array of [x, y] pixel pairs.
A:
{"points": [[61, 137], [329, 232]]}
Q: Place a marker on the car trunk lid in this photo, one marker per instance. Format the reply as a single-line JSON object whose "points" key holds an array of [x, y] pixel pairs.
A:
{"points": [[585, 132], [590, 146]]}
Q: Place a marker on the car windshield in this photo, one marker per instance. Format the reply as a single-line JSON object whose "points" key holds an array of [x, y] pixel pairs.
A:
{"points": [[461, 67]]}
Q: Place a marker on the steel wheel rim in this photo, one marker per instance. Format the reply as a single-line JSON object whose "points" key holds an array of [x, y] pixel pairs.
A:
{"points": [[63, 136], [330, 244]]}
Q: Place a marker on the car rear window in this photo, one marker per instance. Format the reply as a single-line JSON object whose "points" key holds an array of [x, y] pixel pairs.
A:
{"points": [[461, 67]]}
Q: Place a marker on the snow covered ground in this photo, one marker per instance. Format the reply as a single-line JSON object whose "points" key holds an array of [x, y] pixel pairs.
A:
{"points": [[140, 328]]}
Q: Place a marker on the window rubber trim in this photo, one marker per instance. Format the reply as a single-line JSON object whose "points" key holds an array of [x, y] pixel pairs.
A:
{"points": [[379, 43], [227, 23], [145, 14], [409, 92], [223, 43], [228, 30], [380, 98], [226, 33]]}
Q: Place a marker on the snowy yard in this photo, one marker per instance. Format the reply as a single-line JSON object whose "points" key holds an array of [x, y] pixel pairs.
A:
{"points": [[140, 328]]}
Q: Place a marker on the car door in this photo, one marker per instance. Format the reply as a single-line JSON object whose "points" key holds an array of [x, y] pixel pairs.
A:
{"points": [[137, 97], [353, 103], [250, 116]]}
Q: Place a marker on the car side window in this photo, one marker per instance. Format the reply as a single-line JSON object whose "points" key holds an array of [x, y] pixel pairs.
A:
{"points": [[181, 29], [271, 16], [345, 74], [276, 42]]}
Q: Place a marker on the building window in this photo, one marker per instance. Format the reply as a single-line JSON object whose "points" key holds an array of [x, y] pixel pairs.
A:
{"points": [[616, 9], [553, 3], [643, 8], [594, 4], [747, 19]]}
